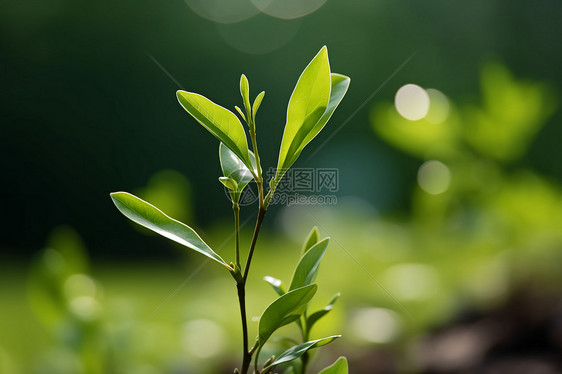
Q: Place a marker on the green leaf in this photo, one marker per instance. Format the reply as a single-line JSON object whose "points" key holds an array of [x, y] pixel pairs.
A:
{"points": [[314, 317], [240, 112], [311, 239], [232, 167], [257, 103], [229, 183], [314, 100], [245, 92], [276, 284], [297, 351], [219, 121], [308, 102], [307, 269], [338, 367], [149, 216], [284, 310]]}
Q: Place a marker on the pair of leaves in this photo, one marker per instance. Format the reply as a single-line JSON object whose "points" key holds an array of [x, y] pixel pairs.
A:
{"points": [[251, 111], [316, 96], [147, 215]]}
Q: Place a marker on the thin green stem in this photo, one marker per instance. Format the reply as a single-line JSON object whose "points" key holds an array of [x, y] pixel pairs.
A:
{"points": [[256, 360], [236, 210], [259, 221]]}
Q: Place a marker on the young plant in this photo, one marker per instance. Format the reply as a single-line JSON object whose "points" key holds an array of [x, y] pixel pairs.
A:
{"points": [[315, 98]]}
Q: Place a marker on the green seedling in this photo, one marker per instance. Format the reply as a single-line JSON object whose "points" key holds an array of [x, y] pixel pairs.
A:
{"points": [[316, 96]]}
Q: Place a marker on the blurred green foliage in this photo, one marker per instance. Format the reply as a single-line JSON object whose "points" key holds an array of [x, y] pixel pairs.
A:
{"points": [[87, 106], [494, 228]]}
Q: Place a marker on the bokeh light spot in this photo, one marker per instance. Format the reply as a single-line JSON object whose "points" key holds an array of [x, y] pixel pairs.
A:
{"points": [[79, 285], [203, 338], [223, 11], [288, 9], [438, 107], [260, 34], [412, 281], [412, 102], [376, 325], [86, 308], [434, 177]]}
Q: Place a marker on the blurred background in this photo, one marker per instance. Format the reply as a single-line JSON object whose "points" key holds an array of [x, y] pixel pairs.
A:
{"points": [[447, 231]]}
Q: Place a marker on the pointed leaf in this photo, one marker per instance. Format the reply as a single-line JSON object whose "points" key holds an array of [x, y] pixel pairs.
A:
{"points": [[276, 284], [257, 103], [307, 104], [149, 216], [297, 351], [339, 86], [245, 92], [219, 121], [314, 317], [284, 310], [233, 167], [240, 112], [311, 239], [338, 367], [307, 269]]}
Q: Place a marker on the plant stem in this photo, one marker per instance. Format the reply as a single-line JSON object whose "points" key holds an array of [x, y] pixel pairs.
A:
{"points": [[246, 357], [259, 221], [241, 286], [236, 210]]}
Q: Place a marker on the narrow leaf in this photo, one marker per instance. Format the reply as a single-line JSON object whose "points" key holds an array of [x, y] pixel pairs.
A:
{"points": [[307, 104], [257, 103], [314, 317], [276, 284], [219, 121], [233, 167], [284, 310], [297, 351], [149, 216], [240, 112], [311, 239], [307, 269], [338, 367]]}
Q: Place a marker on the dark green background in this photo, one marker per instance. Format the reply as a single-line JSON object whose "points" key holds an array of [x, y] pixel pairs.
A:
{"points": [[85, 110]]}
